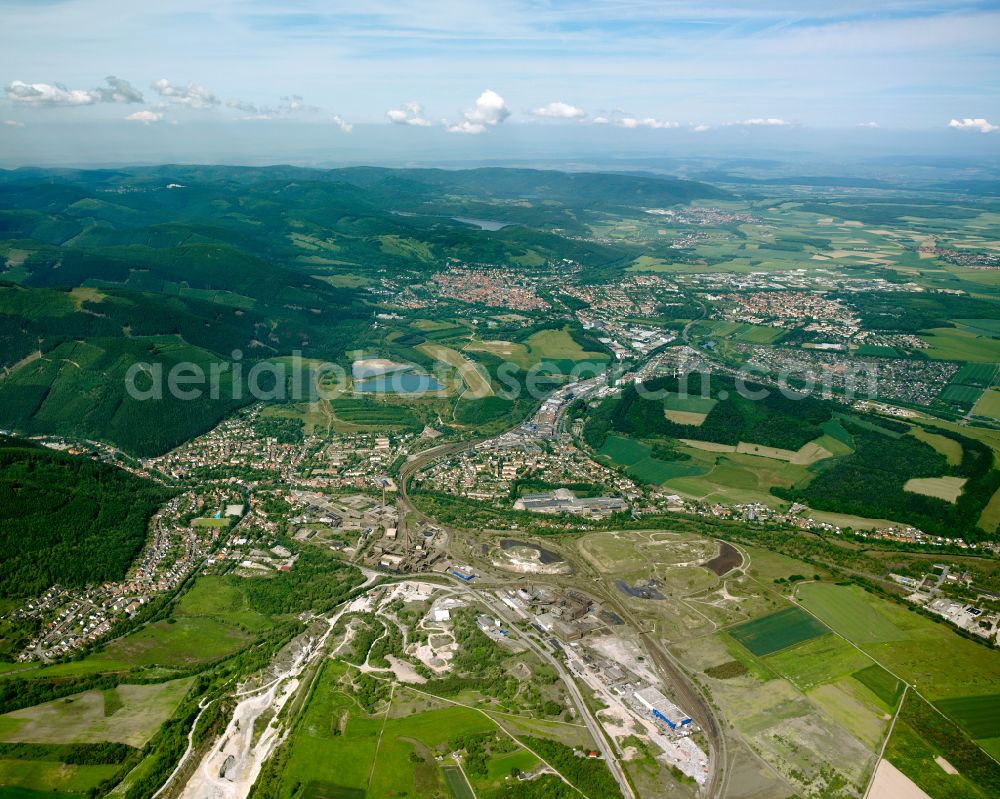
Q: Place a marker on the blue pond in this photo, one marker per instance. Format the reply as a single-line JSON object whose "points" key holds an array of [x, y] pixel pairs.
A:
{"points": [[398, 384]]}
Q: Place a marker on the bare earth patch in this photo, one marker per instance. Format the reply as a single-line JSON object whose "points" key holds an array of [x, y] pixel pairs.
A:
{"points": [[947, 767], [891, 783]]}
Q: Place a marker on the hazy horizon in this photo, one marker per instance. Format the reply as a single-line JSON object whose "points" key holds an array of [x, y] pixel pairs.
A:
{"points": [[85, 83]]}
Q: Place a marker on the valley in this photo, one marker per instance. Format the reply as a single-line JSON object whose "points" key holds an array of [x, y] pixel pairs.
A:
{"points": [[650, 487]]}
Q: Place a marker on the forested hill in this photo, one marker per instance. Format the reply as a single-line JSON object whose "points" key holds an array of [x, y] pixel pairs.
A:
{"points": [[67, 519], [102, 269]]}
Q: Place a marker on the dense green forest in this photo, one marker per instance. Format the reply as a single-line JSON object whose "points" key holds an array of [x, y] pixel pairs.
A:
{"points": [[773, 421], [869, 482], [68, 520], [910, 312]]}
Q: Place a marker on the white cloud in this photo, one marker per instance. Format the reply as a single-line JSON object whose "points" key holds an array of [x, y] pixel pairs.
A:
{"points": [[42, 95], [192, 95], [760, 122], [646, 122], [293, 104], [489, 111], [559, 110], [408, 114], [621, 119], [118, 90], [978, 123], [253, 111], [145, 117], [342, 123], [701, 128], [868, 124], [13, 123], [465, 126]]}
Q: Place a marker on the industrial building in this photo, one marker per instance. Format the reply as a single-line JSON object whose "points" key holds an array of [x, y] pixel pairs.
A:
{"points": [[464, 573], [661, 708], [562, 500]]}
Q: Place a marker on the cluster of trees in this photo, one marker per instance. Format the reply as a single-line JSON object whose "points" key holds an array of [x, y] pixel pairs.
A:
{"points": [[369, 691], [479, 748], [389, 644], [285, 430], [67, 519], [469, 513], [80, 389], [591, 776], [910, 313], [529, 485], [317, 581], [105, 753], [368, 628], [548, 786], [481, 410], [478, 664]]}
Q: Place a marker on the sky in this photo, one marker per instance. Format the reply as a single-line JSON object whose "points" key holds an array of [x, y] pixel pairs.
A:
{"points": [[102, 81]]}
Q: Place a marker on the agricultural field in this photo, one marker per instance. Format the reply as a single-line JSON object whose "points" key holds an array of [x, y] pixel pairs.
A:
{"points": [[217, 598], [458, 785], [795, 735], [738, 331], [690, 410], [951, 449], [559, 346], [989, 404], [374, 413], [191, 640], [906, 644], [822, 706], [938, 756], [128, 714], [638, 461], [778, 631], [953, 344], [806, 708], [947, 488], [40, 779], [848, 611], [725, 475], [978, 715]]}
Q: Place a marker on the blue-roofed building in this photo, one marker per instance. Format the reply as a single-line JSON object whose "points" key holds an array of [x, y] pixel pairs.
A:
{"points": [[661, 708]]}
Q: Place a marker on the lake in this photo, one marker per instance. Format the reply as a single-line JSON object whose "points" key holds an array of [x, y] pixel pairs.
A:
{"points": [[482, 224], [398, 384]]}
